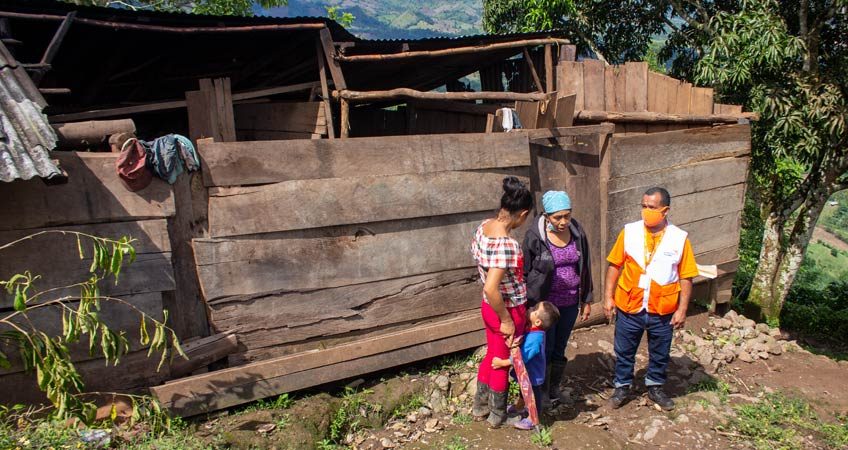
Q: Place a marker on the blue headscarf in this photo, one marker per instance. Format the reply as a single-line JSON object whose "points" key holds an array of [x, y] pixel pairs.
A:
{"points": [[554, 201]]}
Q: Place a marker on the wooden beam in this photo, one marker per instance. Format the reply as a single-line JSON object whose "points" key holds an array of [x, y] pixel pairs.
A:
{"points": [[56, 42], [365, 96], [54, 91], [332, 60], [173, 104], [652, 117], [325, 89], [202, 352], [345, 120], [82, 134], [168, 29], [550, 84], [452, 51], [533, 72], [229, 387]]}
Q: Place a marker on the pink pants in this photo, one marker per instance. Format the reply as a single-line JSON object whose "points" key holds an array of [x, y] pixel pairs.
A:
{"points": [[498, 379]]}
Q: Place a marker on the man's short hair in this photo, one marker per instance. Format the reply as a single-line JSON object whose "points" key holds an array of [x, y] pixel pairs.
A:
{"points": [[548, 314], [665, 197]]}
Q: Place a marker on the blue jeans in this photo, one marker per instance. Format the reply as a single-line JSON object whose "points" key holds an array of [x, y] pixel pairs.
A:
{"points": [[556, 338], [628, 333]]}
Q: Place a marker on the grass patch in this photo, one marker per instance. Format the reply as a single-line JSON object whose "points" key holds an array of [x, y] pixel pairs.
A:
{"points": [[347, 419], [780, 421], [711, 385], [462, 419], [830, 263], [281, 401], [413, 404], [456, 444]]}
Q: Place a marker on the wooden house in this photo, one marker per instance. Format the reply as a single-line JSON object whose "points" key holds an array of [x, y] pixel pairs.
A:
{"points": [[327, 233]]}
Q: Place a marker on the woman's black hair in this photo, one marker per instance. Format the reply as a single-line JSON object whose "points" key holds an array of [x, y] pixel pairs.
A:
{"points": [[516, 196]]}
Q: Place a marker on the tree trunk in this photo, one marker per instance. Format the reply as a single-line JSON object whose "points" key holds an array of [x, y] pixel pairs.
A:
{"points": [[785, 241]]}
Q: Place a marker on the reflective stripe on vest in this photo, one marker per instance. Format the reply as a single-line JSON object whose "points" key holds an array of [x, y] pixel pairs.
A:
{"points": [[663, 266]]}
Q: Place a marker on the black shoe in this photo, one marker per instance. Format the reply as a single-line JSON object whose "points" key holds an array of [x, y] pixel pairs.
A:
{"points": [[658, 396], [619, 397]]}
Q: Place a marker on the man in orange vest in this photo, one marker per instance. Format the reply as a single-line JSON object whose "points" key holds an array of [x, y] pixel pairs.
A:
{"points": [[648, 285]]}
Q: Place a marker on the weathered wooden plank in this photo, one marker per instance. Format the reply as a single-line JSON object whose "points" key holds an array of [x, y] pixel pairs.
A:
{"points": [[288, 317], [202, 352], [297, 117], [679, 180], [720, 231], [337, 256], [117, 316], [645, 153], [244, 163], [93, 193], [55, 257], [593, 85], [267, 135], [340, 201], [684, 94], [657, 99], [570, 81], [718, 256], [135, 371], [684, 208], [610, 80], [701, 101], [636, 95], [238, 385]]}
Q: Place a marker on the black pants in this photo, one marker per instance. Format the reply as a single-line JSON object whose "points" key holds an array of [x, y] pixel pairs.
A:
{"points": [[556, 338]]}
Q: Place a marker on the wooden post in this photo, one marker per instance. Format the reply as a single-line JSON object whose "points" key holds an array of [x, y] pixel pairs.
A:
{"points": [[332, 63], [549, 69], [568, 52], [325, 90], [54, 45], [533, 72], [345, 125]]}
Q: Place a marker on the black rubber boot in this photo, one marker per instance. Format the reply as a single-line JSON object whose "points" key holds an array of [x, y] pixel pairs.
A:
{"points": [[545, 401], [557, 373], [497, 403], [619, 397], [658, 396], [480, 407]]}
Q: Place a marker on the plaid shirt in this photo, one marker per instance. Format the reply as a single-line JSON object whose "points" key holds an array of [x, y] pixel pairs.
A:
{"points": [[501, 253]]}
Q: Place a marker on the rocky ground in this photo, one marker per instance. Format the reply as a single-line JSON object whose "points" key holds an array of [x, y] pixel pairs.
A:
{"points": [[723, 373]]}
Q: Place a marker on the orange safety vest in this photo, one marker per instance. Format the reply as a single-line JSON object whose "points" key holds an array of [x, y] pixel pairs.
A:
{"points": [[650, 281]]}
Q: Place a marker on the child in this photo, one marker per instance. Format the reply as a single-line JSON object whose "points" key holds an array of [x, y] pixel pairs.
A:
{"points": [[539, 318]]}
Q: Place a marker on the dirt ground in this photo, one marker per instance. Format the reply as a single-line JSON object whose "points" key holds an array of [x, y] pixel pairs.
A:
{"points": [[591, 424], [585, 421], [820, 234]]}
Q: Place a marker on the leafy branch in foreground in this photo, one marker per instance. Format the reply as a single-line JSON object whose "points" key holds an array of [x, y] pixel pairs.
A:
{"points": [[50, 355]]}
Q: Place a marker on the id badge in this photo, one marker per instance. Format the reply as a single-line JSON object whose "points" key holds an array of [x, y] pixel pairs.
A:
{"points": [[644, 281]]}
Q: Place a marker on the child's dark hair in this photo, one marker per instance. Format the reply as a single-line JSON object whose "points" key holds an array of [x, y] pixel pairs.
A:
{"points": [[548, 313], [516, 196]]}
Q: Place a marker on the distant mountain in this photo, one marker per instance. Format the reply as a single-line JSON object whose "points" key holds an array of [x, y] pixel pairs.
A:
{"points": [[396, 19]]}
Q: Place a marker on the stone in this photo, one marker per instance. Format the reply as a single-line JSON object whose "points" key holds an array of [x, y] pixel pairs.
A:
{"points": [[763, 328], [760, 347], [723, 324], [684, 372], [471, 388], [728, 355], [698, 376], [705, 359], [465, 376], [775, 348], [605, 346], [748, 323], [437, 401], [412, 417], [650, 433], [424, 412], [732, 316], [775, 333], [747, 332], [763, 355], [442, 382], [387, 443], [432, 425], [683, 418]]}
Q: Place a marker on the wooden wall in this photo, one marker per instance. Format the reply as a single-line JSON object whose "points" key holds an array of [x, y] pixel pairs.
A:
{"points": [[93, 201]]}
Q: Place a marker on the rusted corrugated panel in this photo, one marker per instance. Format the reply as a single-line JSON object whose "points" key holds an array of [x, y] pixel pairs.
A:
{"points": [[26, 136]]}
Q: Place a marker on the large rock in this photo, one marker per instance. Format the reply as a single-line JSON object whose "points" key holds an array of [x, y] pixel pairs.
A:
{"points": [[775, 348], [763, 328]]}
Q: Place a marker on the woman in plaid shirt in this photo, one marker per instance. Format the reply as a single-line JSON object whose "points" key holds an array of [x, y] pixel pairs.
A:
{"points": [[500, 263]]}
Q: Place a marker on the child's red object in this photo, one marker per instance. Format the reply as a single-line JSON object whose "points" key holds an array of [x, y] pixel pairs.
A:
{"points": [[524, 383]]}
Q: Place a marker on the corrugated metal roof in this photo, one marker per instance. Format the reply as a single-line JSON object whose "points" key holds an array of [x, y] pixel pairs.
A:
{"points": [[26, 136]]}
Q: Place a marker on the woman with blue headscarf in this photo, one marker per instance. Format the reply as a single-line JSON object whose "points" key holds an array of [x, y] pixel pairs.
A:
{"points": [[557, 270]]}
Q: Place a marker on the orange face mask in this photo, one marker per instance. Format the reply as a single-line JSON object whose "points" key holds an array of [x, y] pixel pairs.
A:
{"points": [[653, 217]]}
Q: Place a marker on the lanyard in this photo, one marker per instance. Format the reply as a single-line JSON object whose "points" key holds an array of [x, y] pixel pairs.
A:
{"points": [[649, 256]]}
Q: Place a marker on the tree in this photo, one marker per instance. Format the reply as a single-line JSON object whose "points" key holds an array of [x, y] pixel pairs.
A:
{"points": [[788, 61], [785, 60], [49, 355]]}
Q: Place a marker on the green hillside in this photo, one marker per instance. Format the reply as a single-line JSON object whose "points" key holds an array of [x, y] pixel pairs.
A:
{"points": [[397, 19]]}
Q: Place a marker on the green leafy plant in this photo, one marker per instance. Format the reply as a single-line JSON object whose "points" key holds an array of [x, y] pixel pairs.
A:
{"points": [[542, 437], [721, 388], [347, 418], [416, 401], [49, 355], [456, 444], [342, 17], [462, 419]]}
